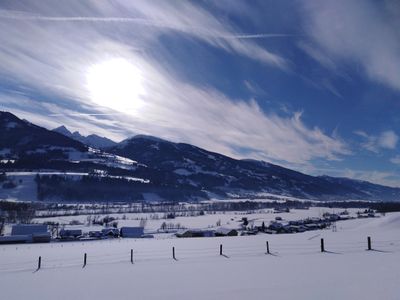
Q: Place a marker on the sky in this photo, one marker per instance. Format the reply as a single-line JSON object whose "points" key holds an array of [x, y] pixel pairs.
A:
{"points": [[309, 85]]}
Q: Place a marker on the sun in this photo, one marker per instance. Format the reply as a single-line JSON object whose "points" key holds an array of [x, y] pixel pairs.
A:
{"points": [[116, 84]]}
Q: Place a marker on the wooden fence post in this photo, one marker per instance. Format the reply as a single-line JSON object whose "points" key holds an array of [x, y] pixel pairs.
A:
{"points": [[39, 263], [322, 245], [220, 249], [132, 256], [268, 248], [173, 253], [369, 243], [84, 260]]}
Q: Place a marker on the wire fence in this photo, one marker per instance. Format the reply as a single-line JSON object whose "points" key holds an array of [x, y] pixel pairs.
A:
{"points": [[228, 251]]}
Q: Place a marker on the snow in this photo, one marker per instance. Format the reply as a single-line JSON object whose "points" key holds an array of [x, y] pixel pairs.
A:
{"points": [[231, 219], [297, 270]]}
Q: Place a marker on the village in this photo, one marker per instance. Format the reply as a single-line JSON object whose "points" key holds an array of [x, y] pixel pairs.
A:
{"points": [[47, 232]]}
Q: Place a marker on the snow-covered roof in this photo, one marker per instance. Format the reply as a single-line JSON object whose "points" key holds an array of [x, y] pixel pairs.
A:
{"points": [[224, 230]]}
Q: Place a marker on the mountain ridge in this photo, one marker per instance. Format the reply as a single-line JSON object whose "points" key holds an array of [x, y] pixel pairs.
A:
{"points": [[92, 140], [143, 165]]}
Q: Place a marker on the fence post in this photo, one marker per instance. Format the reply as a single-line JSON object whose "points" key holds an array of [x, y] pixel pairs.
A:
{"points": [[369, 243], [322, 245], [84, 260], [173, 253], [268, 248], [220, 249], [132, 256], [39, 263]]}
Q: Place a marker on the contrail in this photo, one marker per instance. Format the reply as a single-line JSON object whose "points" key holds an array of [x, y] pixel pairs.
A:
{"points": [[147, 22], [85, 114], [257, 36], [30, 17]]}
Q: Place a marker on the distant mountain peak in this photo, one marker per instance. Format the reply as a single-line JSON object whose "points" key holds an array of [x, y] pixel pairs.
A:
{"points": [[63, 130], [92, 140]]}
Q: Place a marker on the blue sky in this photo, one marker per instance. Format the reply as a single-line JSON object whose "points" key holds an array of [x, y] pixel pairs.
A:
{"points": [[310, 85]]}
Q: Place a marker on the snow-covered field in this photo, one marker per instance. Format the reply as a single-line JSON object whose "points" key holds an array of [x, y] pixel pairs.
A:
{"points": [[228, 219], [296, 270]]}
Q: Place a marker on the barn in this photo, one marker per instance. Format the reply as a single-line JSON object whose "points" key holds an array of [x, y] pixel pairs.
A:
{"points": [[33, 232]]}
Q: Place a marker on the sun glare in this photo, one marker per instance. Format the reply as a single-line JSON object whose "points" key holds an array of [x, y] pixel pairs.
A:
{"points": [[116, 84]]}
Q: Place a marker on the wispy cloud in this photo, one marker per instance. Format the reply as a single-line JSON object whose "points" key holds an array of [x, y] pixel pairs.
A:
{"points": [[358, 32], [180, 16], [52, 56], [379, 177], [385, 140], [395, 160]]}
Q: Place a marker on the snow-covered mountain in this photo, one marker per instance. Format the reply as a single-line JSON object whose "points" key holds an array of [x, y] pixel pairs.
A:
{"points": [[20, 138], [92, 140], [222, 175], [145, 167]]}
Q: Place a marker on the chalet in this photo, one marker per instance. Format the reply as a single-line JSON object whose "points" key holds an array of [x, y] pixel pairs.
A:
{"points": [[132, 232]]}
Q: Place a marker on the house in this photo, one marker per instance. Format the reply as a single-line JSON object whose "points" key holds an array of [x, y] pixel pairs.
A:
{"points": [[226, 232], [68, 234], [132, 232], [110, 232], [95, 234], [275, 226], [33, 232]]}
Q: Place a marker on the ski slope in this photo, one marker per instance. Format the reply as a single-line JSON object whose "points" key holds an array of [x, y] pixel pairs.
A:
{"points": [[296, 269]]}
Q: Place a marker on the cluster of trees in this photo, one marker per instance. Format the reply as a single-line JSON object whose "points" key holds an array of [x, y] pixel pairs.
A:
{"points": [[93, 188], [87, 188], [7, 183], [171, 226], [385, 207], [16, 212]]}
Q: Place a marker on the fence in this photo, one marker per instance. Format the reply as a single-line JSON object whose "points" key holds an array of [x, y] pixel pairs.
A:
{"points": [[231, 251]]}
